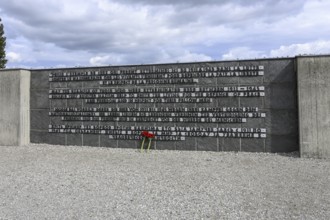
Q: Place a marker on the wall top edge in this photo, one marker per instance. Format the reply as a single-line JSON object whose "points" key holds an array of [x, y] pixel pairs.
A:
{"points": [[178, 63], [312, 56], [14, 69], [164, 64]]}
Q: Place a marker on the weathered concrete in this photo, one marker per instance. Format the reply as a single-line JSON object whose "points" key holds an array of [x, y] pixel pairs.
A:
{"points": [[14, 107], [279, 104], [314, 106], [312, 86]]}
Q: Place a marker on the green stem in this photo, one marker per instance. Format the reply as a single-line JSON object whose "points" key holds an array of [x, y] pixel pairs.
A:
{"points": [[149, 144], [144, 138]]}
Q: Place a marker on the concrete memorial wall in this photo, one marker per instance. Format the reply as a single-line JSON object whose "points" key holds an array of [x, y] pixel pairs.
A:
{"points": [[220, 106], [314, 106], [14, 107]]}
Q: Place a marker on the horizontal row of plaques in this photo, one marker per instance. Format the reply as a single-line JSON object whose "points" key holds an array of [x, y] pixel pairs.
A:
{"points": [[158, 90], [158, 128], [165, 138], [188, 115], [157, 100], [161, 76], [153, 70], [144, 81], [155, 109], [162, 97], [162, 133], [155, 78], [163, 114], [154, 119]]}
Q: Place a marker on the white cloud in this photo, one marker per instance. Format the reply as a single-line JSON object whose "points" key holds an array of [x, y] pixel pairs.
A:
{"points": [[105, 60], [242, 53], [40, 54], [14, 57], [177, 55], [316, 47], [99, 60], [309, 48], [192, 57]]}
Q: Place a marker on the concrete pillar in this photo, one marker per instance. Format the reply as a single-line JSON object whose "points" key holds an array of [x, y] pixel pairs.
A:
{"points": [[314, 106], [14, 107]]}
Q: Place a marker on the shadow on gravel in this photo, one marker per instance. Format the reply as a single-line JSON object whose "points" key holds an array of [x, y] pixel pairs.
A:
{"points": [[294, 154]]}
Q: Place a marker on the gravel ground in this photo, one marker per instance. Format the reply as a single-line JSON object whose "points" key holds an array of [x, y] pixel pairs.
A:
{"points": [[69, 182]]}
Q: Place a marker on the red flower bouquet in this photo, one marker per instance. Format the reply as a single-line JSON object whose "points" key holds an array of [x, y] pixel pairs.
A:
{"points": [[146, 135]]}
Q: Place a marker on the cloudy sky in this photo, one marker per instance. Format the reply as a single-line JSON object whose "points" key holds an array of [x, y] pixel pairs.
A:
{"points": [[68, 33]]}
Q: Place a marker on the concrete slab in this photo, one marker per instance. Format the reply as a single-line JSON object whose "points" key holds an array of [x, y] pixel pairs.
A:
{"points": [[314, 106], [14, 107]]}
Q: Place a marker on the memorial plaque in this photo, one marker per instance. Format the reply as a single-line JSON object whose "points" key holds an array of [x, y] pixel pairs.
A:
{"points": [[183, 92], [199, 104]]}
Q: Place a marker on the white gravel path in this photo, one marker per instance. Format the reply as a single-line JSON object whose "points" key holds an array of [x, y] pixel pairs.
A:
{"points": [[69, 182]]}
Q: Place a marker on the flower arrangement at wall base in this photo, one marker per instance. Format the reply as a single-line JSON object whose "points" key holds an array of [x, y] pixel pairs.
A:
{"points": [[146, 136]]}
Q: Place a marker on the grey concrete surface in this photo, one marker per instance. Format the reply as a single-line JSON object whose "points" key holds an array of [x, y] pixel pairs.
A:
{"points": [[314, 106], [279, 104], [67, 182], [14, 107]]}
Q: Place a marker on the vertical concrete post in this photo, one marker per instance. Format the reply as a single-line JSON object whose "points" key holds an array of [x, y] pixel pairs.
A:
{"points": [[314, 106], [14, 107]]}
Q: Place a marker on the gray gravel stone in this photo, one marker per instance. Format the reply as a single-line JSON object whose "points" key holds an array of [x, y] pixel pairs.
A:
{"points": [[70, 182]]}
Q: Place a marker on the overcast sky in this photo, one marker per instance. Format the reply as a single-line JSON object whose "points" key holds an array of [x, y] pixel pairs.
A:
{"points": [[68, 33]]}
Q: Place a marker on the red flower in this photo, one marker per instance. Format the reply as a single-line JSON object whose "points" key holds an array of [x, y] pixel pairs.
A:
{"points": [[147, 134], [150, 135]]}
